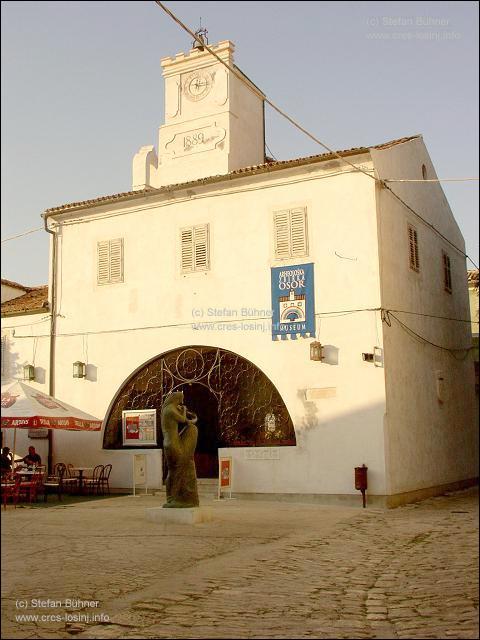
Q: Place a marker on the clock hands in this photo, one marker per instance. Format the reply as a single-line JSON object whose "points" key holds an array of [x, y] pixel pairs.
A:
{"points": [[197, 86], [200, 83]]}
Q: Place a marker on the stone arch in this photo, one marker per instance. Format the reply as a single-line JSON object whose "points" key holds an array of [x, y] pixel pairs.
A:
{"points": [[250, 410]]}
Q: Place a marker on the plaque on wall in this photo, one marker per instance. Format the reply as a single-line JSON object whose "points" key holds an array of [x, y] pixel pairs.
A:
{"points": [[38, 433], [261, 453]]}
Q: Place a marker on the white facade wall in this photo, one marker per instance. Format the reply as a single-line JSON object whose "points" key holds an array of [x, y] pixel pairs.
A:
{"points": [[102, 325], [412, 422], [431, 433]]}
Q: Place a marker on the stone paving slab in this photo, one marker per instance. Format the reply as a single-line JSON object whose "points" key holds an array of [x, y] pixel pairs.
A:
{"points": [[257, 570]]}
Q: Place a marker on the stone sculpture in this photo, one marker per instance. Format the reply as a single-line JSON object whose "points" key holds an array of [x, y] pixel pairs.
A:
{"points": [[180, 435]]}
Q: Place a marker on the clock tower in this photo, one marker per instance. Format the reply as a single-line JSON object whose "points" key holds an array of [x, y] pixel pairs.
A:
{"points": [[214, 121]]}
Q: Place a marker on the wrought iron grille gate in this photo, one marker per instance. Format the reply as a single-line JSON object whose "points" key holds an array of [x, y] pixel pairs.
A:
{"points": [[251, 412]]}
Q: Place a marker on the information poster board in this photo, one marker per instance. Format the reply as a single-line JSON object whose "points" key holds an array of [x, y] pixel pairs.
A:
{"points": [[139, 427], [225, 467], [139, 471]]}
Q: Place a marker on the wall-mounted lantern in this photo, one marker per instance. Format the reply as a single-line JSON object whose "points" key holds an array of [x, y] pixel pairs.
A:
{"points": [[316, 351], [29, 372], [79, 369], [367, 357]]}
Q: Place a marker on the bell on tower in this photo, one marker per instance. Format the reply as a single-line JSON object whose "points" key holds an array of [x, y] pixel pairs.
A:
{"points": [[200, 38]]}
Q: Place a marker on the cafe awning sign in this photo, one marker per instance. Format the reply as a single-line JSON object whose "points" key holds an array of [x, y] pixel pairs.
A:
{"points": [[24, 407], [293, 304]]}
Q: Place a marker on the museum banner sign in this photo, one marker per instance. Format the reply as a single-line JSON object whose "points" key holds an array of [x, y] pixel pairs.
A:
{"points": [[293, 305]]}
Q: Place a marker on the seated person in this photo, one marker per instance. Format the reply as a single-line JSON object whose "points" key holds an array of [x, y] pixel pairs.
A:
{"points": [[31, 458], [6, 461]]}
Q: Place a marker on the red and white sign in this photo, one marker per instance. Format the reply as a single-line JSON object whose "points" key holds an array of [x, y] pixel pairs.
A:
{"points": [[225, 472], [225, 466], [132, 428]]}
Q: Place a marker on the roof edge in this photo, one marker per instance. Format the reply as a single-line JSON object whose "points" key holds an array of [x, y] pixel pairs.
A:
{"points": [[260, 169]]}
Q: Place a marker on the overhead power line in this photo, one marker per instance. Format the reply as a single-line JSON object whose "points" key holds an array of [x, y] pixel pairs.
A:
{"points": [[200, 325], [240, 76], [429, 224], [386, 315], [242, 79], [25, 233]]}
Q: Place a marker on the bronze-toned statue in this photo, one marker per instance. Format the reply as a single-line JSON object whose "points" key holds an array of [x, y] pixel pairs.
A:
{"points": [[179, 441]]}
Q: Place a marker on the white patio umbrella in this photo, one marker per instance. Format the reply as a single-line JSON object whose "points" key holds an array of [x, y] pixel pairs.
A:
{"points": [[24, 407]]}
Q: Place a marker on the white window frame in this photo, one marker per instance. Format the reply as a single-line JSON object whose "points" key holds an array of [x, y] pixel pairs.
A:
{"points": [[195, 249], [290, 233], [110, 256]]}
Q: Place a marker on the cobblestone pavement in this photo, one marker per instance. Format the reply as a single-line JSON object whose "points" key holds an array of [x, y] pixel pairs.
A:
{"points": [[258, 570]]}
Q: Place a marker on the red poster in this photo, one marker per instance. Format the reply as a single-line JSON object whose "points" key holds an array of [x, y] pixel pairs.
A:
{"points": [[225, 471], [132, 428]]}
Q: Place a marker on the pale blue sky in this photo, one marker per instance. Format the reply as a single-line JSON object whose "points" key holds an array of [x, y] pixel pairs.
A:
{"points": [[82, 91]]}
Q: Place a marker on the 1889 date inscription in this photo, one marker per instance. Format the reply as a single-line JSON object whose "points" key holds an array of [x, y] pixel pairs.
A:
{"points": [[193, 140], [205, 138]]}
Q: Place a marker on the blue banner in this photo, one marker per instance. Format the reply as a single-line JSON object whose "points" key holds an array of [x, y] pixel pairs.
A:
{"points": [[293, 303]]}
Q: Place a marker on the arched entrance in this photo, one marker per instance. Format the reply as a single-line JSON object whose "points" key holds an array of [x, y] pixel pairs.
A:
{"points": [[237, 405]]}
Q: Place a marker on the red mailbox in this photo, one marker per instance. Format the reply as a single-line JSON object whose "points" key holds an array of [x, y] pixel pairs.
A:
{"points": [[361, 480], [361, 477]]}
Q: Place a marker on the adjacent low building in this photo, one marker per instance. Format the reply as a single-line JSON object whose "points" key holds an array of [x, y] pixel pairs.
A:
{"points": [[312, 312]]}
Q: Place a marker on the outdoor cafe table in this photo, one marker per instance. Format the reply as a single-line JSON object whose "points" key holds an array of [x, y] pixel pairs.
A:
{"points": [[80, 476]]}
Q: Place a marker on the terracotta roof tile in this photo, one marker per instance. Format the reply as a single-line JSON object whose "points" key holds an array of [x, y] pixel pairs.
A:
{"points": [[473, 277], [255, 169], [36, 299]]}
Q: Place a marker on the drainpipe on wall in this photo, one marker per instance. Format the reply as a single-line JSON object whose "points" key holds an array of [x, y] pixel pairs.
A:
{"points": [[264, 137], [53, 328]]}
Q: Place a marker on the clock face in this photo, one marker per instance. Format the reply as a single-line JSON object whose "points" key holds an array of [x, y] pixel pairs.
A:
{"points": [[197, 85]]}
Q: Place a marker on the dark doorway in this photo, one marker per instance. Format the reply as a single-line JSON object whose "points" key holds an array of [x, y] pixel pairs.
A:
{"points": [[201, 401]]}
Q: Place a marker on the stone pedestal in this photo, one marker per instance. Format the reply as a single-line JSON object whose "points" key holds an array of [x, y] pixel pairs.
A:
{"points": [[193, 515]]}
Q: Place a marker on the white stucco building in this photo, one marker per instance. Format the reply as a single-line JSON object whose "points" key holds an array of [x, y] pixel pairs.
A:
{"points": [[172, 285]]}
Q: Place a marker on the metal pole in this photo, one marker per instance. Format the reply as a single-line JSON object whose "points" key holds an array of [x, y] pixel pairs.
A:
{"points": [[53, 328], [14, 446]]}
